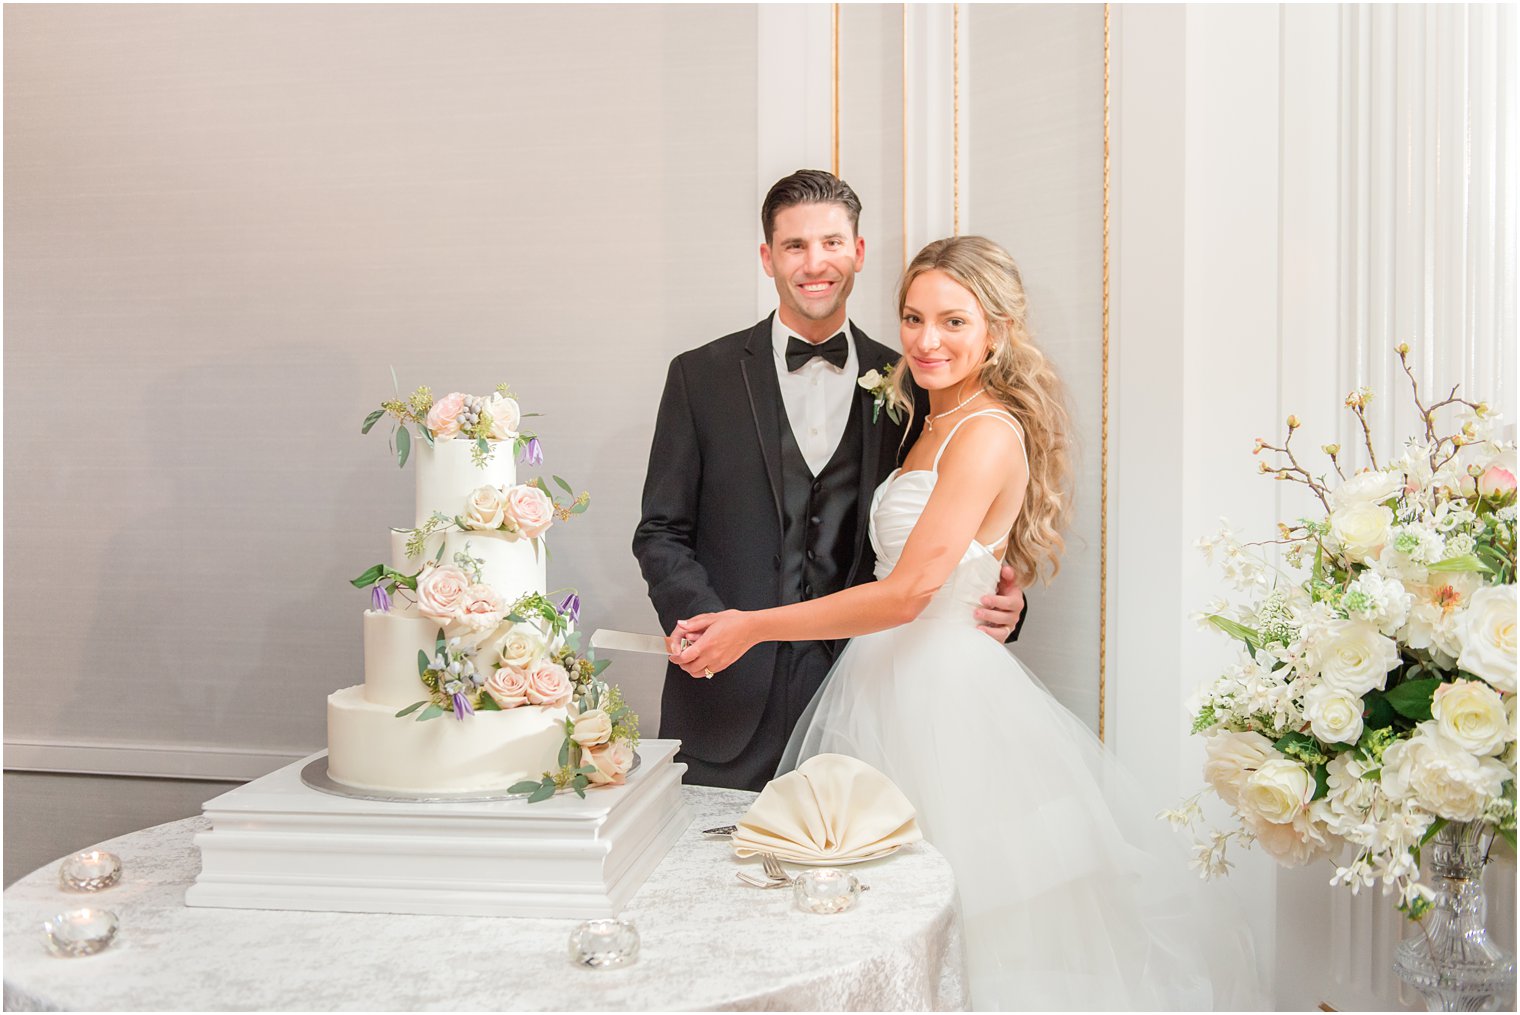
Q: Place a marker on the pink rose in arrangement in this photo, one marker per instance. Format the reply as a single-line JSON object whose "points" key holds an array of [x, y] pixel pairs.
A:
{"points": [[508, 687], [549, 684], [481, 608], [441, 593], [611, 761], [443, 417], [1496, 482], [530, 509]]}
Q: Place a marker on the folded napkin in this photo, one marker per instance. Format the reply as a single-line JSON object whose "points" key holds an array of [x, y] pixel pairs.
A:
{"points": [[831, 809]]}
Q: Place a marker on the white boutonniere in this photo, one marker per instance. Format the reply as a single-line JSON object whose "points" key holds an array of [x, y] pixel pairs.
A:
{"points": [[877, 382]]}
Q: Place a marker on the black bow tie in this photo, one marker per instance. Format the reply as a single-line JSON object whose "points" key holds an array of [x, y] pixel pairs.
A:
{"points": [[836, 351]]}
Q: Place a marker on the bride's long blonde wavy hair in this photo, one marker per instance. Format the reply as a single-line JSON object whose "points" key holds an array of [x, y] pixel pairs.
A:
{"points": [[1019, 377]]}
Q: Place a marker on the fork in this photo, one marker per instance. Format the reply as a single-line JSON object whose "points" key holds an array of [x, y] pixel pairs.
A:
{"points": [[755, 882], [774, 870]]}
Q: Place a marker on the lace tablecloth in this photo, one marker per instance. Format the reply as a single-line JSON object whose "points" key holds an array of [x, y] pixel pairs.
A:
{"points": [[709, 943]]}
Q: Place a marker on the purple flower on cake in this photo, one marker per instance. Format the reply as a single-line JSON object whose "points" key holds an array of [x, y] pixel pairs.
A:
{"points": [[443, 417], [484, 509], [508, 687], [549, 684], [530, 509], [441, 591], [482, 608], [571, 608], [533, 452], [462, 707], [379, 599]]}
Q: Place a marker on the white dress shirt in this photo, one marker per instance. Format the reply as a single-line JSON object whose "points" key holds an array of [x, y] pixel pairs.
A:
{"points": [[818, 397]]}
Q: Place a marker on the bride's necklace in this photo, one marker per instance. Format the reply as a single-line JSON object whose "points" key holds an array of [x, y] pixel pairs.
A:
{"points": [[929, 421]]}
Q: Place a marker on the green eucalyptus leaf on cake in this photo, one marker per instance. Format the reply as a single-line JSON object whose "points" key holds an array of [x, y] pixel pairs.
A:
{"points": [[598, 665], [431, 712], [487, 704], [427, 434], [564, 486], [578, 507], [372, 419], [423, 662], [439, 642], [403, 445], [544, 791], [369, 577], [579, 784], [564, 752], [523, 787], [410, 709]]}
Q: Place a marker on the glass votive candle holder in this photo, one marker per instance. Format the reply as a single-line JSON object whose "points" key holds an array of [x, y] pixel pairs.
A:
{"points": [[93, 870], [825, 890], [80, 932], [604, 944]]}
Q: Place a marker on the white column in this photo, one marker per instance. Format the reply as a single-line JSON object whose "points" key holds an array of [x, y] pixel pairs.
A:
{"points": [[929, 98]]}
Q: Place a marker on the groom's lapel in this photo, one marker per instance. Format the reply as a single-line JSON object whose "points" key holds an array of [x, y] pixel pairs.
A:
{"points": [[759, 369], [870, 445]]}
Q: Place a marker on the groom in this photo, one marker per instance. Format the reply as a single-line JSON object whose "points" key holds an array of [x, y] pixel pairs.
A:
{"points": [[765, 455]]}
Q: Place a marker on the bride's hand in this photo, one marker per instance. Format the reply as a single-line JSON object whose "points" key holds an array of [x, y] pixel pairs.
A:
{"points": [[717, 639]]}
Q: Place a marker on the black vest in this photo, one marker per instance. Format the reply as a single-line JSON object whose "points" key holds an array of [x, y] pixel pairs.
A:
{"points": [[818, 514]]}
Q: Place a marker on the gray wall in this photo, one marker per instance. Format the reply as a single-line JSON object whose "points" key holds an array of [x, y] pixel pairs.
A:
{"points": [[223, 227]]}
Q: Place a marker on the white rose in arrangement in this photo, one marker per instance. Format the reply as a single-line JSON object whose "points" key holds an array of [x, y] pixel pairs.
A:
{"points": [[1488, 636], [530, 509], [1348, 796], [1232, 757], [1440, 776], [521, 648], [1277, 792], [1361, 528], [1354, 657], [485, 509], [593, 728], [1367, 488], [441, 591], [1291, 843], [1335, 717], [481, 609], [506, 417], [1470, 714]]}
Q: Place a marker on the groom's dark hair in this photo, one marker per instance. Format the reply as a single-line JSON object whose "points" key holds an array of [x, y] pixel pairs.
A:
{"points": [[808, 186]]}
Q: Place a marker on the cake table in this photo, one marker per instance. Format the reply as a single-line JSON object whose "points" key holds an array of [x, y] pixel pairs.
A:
{"points": [[709, 942]]}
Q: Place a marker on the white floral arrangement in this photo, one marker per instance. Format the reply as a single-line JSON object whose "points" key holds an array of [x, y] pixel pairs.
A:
{"points": [[1373, 700]]}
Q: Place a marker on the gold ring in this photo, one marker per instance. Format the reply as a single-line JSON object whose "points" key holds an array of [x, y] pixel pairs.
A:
{"points": [[707, 674]]}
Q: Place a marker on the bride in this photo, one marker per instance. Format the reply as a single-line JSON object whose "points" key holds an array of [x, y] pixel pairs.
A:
{"points": [[1067, 901]]}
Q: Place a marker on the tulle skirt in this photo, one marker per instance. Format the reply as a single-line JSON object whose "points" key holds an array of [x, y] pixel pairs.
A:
{"points": [[1073, 895]]}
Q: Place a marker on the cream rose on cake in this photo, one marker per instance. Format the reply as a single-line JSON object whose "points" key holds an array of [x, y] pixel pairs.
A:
{"points": [[441, 593], [530, 510], [1488, 636], [481, 609], [506, 417], [508, 687], [593, 728], [1470, 714], [521, 647], [485, 509], [443, 417], [549, 684], [612, 762]]}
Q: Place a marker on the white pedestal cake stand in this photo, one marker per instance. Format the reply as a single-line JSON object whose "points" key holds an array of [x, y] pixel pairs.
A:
{"points": [[277, 843]]}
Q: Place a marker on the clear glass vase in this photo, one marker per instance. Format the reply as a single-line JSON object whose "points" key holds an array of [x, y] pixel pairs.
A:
{"points": [[1451, 962]]}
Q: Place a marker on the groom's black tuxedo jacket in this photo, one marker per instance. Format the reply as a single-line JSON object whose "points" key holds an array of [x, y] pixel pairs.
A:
{"points": [[711, 534]]}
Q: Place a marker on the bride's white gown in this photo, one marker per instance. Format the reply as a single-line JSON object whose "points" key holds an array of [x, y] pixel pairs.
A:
{"points": [[1072, 895]]}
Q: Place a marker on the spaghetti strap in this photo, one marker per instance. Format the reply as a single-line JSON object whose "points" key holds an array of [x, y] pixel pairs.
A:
{"points": [[1001, 414]]}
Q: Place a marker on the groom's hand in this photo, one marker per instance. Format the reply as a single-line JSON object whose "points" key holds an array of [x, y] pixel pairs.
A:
{"points": [[999, 613]]}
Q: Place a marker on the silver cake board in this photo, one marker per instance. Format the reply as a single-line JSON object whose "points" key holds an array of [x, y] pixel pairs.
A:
{"points": [[278, 843]]}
